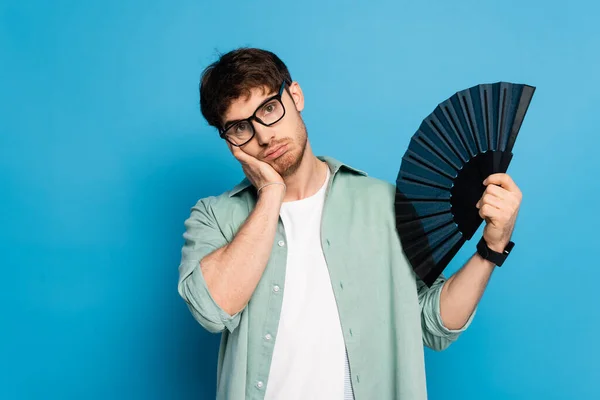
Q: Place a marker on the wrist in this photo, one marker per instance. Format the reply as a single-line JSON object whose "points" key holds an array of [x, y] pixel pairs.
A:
{"points": [[494, 252], [274, 190], [498, 248], [487, 263]]}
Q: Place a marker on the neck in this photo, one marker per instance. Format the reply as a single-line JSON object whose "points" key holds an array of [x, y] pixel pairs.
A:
{"points": [[308, 178]]}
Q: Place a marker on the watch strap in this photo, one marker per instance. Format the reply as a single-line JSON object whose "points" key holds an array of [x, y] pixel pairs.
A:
{"points": [[497, 258]]}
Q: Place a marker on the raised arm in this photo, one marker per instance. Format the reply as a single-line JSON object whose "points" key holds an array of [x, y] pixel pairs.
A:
{"points": [[217, 279]]}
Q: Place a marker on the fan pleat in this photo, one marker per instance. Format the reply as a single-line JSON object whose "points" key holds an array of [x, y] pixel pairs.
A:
{"points": [[423, 246], [408, 210], [406, 218], [473, 98], [502, 122], [429, 136], [468, 110], [432, 265], [427, 225], [513, 93], [459, 121], [524, 102], [417, 170], [443, 130], [488, 120], [418, 191], [433, 164]]}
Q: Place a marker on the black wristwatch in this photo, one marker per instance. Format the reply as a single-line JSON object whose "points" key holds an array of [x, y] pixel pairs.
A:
{"points": [[497, 258]]}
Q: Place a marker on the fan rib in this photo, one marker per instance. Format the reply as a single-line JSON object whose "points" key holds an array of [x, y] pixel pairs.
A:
{"points": [[433, 230], [444, 138], [432, 249], [440, 256], [425, 142], [414, 230], [471, 126], [408, 178], [422, 200], [423, 216], [458, 132], [502, 118], [488, 129], [417, 241], [430, 167], [524, 103]]}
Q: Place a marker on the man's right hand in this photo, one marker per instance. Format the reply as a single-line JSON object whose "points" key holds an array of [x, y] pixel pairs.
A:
{"points": [[258, 172]]}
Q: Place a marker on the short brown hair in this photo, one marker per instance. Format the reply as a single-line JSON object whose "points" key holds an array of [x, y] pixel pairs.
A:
{"points": [[234, 75]]}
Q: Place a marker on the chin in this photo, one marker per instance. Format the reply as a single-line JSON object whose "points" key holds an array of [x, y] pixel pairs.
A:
{"points": [[287, 164]]}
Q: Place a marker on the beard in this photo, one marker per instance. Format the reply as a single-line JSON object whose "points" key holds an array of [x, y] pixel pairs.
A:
{"points": [[288, 163]]}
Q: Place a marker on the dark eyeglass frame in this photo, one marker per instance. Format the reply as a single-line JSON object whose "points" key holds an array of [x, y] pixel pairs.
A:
{"points": [[223, 132]]}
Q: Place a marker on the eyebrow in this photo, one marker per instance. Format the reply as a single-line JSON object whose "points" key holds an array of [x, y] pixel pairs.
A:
{"points": [[227, 124], [235, 121]]}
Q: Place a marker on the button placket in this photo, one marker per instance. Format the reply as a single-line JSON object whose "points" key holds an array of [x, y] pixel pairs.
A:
{"points": [[276, 277]]}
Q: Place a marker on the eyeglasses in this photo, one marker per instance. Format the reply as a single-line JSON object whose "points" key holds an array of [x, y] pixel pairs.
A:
{"points": [[271, 111]]}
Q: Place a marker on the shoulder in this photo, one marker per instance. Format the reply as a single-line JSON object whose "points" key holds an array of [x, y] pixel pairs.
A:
{"points": [[381, 187], [371, 200], [365, 186], [226, 211], [223, 204]]}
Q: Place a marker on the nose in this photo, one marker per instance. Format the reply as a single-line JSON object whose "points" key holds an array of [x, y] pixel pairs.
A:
{"points": [[263, 134]]}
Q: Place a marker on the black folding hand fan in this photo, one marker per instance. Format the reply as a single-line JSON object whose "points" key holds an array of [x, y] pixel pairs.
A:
{"points": [[467, 138]]}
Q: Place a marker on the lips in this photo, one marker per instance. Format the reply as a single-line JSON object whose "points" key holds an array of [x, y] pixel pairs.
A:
{"points": [[275, 152]]}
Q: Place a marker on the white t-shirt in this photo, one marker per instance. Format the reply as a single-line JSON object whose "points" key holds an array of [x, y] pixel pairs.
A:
{"points": [[309, 357]]}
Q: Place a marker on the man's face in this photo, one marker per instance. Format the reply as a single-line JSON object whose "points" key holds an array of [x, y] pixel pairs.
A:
{"points": [[289, 132]]}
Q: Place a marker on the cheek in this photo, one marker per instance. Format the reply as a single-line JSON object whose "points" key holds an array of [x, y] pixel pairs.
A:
{"points": [[252, 149], [287, 131], [295, 128]]}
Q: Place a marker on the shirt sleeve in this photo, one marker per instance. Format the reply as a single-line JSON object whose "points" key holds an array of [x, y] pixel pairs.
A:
{"points": [[202, 237], [435, 335]]}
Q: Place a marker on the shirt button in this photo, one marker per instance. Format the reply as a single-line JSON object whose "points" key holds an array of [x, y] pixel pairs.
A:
{"points": [[268, 336], [259, 384], [281, 243], [276, 288]]}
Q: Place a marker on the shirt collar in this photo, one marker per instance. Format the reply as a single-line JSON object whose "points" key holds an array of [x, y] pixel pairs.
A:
{"points": [[334, 167]]}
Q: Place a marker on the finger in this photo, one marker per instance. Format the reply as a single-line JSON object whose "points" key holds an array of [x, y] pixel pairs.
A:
{"points": [[509, 199], [492, 190], [497, 191], [238, 153], [489, 212], [492, 200], [503, 180]]}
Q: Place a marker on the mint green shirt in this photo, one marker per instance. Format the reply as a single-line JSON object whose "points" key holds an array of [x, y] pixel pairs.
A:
{"points": [[387, 314]]}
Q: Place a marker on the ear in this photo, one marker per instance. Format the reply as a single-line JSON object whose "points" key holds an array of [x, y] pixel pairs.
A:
{"points": [[297, 95]]}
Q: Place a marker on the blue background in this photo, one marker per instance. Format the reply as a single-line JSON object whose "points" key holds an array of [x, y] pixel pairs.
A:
{"points": [[103, 151]]}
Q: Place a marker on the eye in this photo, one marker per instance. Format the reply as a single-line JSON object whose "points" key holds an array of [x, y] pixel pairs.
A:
{"points": [[241, 128], [269, 108]]}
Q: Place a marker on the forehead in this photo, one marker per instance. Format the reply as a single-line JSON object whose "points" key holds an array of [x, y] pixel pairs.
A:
{"points": [[245, 105]]}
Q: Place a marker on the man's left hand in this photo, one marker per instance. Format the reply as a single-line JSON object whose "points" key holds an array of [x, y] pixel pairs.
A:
{"points": [[499, 206]]}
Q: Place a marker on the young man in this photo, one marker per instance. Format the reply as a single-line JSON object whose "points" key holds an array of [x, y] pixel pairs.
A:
{"points": [[300, 266]]}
